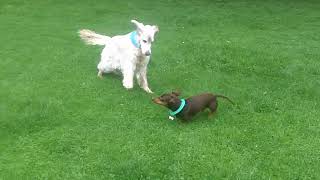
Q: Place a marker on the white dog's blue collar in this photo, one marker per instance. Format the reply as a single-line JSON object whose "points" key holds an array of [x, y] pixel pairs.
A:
{"points": [[183, 103], [133, 38]]}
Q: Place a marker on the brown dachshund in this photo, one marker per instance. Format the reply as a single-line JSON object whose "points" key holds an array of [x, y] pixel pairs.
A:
{"points": [[187, 108]]}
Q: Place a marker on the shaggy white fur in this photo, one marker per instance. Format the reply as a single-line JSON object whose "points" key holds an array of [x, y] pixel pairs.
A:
{"points": [[122, 54]]}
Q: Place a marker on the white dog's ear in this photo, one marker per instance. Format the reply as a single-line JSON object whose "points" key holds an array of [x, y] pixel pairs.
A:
{"points": [[156, 29], [138, 25]]}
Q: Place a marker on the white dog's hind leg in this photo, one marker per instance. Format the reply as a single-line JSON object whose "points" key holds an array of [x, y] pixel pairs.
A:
{"points": [[102, 71], [103, 67]]}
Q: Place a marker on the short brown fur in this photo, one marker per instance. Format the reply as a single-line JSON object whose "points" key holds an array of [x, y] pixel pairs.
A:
{"points": [[194, 104]]}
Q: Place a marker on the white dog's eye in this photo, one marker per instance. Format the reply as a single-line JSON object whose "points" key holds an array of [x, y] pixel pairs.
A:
{"points": [[144, 41]]}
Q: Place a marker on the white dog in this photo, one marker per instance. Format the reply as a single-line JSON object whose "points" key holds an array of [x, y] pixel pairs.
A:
{"points": [[128, 53]]}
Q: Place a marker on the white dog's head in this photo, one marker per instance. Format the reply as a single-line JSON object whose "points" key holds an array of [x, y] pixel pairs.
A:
{"points": [[145, 35]]}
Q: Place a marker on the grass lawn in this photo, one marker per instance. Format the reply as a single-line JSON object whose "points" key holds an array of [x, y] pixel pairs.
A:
{"points": [[59, 121]]}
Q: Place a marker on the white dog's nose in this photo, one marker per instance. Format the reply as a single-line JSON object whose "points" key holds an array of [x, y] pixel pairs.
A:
{"points": [[148, 53]]}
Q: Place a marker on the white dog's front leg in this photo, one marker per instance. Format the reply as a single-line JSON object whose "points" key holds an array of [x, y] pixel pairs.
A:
{"points": [[142, 80], [127, 81]]}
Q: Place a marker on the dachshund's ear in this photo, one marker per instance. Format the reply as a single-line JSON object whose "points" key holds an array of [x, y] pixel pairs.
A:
{"points": [[172, 100], [177, 93]]}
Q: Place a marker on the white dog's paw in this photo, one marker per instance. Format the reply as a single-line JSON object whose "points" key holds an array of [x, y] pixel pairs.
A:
{"points": [[100, 75], [148, 90], [127, 85]]}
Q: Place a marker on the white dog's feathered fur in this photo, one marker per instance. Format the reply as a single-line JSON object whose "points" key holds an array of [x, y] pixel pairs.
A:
{"points": [[120, 53]]}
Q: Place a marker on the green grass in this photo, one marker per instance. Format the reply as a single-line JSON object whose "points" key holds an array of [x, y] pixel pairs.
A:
{"points": [[59, 121]]}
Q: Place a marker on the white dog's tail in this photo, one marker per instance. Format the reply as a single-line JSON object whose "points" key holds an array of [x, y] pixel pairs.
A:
{"points": [[93, 38]]}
